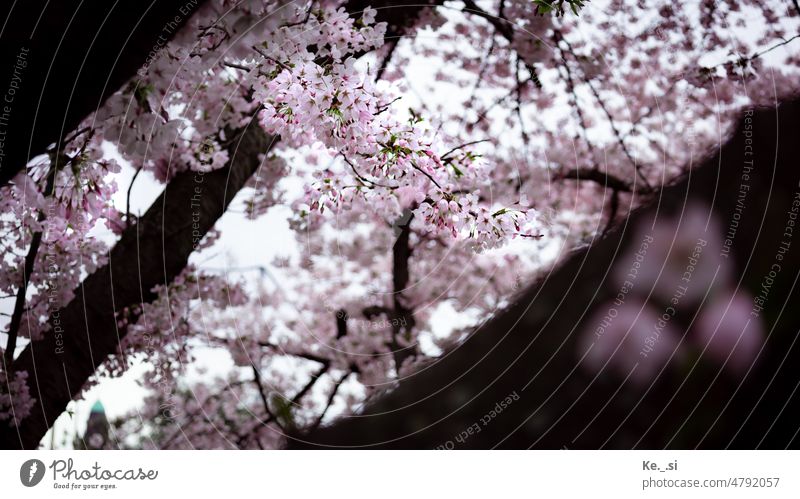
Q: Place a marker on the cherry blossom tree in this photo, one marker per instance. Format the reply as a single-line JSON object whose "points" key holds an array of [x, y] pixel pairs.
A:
{"points": [[429, 157]]}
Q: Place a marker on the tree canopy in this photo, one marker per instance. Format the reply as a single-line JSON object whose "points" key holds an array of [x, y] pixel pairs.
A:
{"points": [[431, 160]]}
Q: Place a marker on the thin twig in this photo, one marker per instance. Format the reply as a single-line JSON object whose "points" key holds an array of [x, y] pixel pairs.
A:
{"points": [[307, 387], [27, 270], [505, 28], [427, 175], [329, 403], [363, 179], [611, 121], [385, 63], [781, 44], [462, 146], [518, 109], [574, 98], [128, 197], [307, 356], [236, 66], [261, 392], [481, 74], [596, 176], [386, 106], [270, 58]]}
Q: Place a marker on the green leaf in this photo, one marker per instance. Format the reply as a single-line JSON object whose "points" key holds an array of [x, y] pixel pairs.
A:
{"points": [[557, 6], [282, 408], [501, 211]]}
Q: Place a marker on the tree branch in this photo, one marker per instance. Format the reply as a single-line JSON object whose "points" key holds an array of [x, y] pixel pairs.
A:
{"points": [[402, 317], [331, 397], [27, 270], [502, 25], [597, 176], [610, 118], [261, 392]]}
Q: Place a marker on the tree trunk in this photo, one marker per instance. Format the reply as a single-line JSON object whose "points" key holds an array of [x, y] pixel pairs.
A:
{"points": [[61, 60]]}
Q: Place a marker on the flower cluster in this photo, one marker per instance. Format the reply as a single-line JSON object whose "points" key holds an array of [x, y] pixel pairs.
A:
{"points": [[61, 207], [390, 162], [679, 267], [15, 399], [162, 329]]}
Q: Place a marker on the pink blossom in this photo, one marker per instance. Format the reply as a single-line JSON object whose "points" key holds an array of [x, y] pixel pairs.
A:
{"points": [[629, 339], [728, 333], [678, 255]]}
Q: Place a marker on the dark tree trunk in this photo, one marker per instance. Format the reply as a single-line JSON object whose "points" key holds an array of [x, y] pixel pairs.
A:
{"points": [[60, 60]]}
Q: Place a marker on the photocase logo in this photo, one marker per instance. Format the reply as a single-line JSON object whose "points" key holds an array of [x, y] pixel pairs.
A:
{"points": [[31, 472]]}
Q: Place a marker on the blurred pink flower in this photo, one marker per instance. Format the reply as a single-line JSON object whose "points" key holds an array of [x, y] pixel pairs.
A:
{"points": [[728, 333], [678, 257], [629, 337]]}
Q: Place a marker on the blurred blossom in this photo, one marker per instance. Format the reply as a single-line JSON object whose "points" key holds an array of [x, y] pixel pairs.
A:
{"points": [[682, 257], [728, 333], [621, 337], [677, 262]]}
